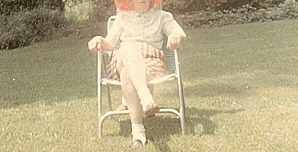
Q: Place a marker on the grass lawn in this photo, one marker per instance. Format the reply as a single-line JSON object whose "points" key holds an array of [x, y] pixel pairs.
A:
{"points": [[240, 84]]}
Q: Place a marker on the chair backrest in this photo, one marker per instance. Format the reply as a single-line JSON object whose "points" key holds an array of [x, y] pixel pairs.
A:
{"points": [[170, 65], [110, 22]]}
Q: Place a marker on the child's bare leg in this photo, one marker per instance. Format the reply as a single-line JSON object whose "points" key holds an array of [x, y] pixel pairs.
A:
{"points": [[134, 62], [131, 96], [135, 108], [123, 105]]}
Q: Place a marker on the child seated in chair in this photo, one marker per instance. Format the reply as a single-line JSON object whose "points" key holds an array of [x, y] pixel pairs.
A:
{"points": [[140, 25]]}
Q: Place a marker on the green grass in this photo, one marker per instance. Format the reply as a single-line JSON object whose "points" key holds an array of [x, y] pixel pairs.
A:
{"points": [[240, 85]]}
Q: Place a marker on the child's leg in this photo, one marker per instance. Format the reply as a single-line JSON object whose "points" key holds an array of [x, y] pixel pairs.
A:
{"points": [[123, 105], [133, 60], [135, 108]]}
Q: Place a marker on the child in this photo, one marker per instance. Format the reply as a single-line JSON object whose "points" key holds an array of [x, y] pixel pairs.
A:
{"points": [[140, 26]]}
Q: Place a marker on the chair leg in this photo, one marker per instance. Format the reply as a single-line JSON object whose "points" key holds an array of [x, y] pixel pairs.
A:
{"points": [[182, 121], [182, 106], [99, 111], [109, 97], [181, 95], [99, 128], [99, 92]]}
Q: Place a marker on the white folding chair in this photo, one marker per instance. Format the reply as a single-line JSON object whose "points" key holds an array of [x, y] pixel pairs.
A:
{"points": [[171, 66]]}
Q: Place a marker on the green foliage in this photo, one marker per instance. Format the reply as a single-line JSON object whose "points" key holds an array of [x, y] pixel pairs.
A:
{"points": [[102, 11], [79, 11], [178, 6], [182, 6], [241, 15], [29, 26], [12, 6], [232, 4], [25, 22], [265, 3]]}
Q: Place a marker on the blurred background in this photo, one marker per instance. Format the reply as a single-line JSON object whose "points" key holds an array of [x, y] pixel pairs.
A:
{"points": [[27, 22]]}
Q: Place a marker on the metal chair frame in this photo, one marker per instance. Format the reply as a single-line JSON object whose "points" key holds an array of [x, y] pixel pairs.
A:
{"points": [[171, 64]]}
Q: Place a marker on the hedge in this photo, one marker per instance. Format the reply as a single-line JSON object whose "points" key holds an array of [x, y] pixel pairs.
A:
{"points": [[8, 7], [29, 26], [241, 15], [26, 22], [183, 6]]}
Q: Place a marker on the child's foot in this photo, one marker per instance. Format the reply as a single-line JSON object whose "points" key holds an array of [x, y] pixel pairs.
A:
{"points": [[136, 144], [121, 107], [150, 110]]}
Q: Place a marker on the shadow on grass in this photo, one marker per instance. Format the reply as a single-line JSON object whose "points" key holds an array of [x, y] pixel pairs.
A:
{"points": [[202, 116], [159, 128]]}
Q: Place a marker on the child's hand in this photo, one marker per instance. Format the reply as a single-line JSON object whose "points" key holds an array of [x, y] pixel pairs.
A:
{"points": [[174, 41], [95, 44]]}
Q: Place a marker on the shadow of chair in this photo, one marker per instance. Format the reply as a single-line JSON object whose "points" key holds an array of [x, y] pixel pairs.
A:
{"points": [[160, 128]]}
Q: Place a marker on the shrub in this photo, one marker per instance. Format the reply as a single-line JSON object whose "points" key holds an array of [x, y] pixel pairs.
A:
{"points": [[29, 26], [22, 25], [88, 17], [183, 6], [242, 15], [78, 12], [102, 12], [13, 6], [265, 3]]}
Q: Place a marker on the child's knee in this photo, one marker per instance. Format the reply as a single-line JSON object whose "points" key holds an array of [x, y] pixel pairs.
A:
{"points": [[124, 77]]}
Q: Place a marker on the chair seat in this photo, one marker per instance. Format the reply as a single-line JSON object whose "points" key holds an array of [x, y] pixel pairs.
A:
{"points": [[105, 81], [169, 77]]}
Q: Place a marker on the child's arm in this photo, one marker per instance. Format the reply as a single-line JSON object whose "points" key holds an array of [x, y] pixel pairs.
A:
{"points": [[173, 30], [99, 42], [111, 39], [175, 39]]}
